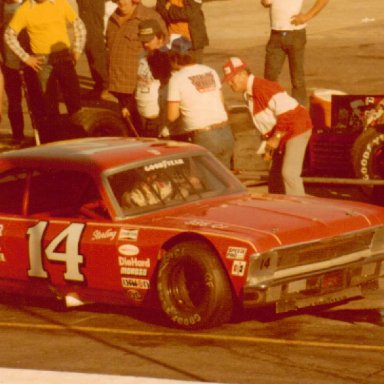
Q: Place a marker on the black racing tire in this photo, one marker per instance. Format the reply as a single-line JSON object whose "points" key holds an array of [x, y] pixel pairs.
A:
{"points": [[193, 287], [99, 122], [368, 162]]}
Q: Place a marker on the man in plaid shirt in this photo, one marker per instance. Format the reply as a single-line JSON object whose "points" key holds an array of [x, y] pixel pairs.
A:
{"points": [[124, 49]]}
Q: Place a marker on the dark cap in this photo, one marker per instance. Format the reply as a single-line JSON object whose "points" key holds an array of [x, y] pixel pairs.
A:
{"points": [[181, 45], [148, 29]]}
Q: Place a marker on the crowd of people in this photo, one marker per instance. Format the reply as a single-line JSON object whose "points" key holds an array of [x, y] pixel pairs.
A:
{"points": [[151, 61]]}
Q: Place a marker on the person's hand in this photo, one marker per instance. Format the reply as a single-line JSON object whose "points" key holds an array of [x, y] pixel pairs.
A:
{"points": [[125, 113], [299, 19], [76, 56], [164, 133], [272, 144], [266, 3], [268, 154], [36, 63]]}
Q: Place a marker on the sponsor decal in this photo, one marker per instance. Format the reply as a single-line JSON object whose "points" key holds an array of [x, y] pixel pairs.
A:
{"points": [[133, 266], [108, 234], [130, 282], [135, 295], [134, 262], [163, 164], [128, 250], [2, 257], [133, 271], [128, 234], [197, 223], [238, 268], [236, 253]]}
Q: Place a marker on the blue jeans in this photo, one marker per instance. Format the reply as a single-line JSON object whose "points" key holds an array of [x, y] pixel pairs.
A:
{"points": [[292, 45], [219, 142]]}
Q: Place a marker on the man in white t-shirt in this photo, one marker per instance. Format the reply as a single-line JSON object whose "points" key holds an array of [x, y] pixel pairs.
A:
{"points": [[195, 95], [288, 38]]}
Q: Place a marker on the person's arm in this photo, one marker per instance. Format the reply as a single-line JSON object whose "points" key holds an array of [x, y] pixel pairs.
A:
{"points": [[80, 34], [173, 110], [10, 38], [1, 94], [174, 13], [303, 18]]}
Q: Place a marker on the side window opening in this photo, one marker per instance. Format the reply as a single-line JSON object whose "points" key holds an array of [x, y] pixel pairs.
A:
{"points": [[12, 188], [62, 193]]}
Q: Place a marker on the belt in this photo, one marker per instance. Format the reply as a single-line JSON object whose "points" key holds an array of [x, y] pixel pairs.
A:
{"points": [[282, 33], [211, 127]]}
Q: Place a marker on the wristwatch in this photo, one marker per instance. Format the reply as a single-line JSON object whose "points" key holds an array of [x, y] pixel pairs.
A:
{"points": [[278, 135]]}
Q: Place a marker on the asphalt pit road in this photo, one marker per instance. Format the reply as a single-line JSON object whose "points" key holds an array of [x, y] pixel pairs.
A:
{"points": [[371, 316]]}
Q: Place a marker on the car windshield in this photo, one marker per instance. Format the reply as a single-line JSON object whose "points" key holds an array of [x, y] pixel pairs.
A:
{"points": [[170, 181]]}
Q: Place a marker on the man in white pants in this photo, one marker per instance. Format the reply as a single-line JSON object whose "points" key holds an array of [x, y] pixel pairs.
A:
{"points": [[284, 124]]}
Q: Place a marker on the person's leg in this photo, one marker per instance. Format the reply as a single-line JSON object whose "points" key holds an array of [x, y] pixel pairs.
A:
{"points": [[13, 90], [296, 50], [92, 13], [274, 57], [68, 80], [275, 179], [219, 142], [293, 164]]}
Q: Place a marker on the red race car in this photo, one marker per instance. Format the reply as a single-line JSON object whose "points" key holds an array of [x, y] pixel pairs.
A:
{"points": [[164, 225]]}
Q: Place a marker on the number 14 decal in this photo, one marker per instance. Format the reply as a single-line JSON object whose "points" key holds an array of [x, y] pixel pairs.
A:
{"points": [[70, 256]]}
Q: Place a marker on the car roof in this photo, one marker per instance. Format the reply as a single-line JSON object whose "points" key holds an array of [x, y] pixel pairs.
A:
{"points": [[90, 153]]}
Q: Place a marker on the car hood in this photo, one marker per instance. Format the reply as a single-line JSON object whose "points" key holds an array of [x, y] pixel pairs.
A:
{"points": [[275, 220]]}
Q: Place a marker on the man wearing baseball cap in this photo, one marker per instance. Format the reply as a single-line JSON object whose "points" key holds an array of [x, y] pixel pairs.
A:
{"points": [[152, 77], [284, 124]]}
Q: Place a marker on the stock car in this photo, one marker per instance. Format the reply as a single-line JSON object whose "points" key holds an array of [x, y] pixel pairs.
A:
{"points": [[163, 225]]}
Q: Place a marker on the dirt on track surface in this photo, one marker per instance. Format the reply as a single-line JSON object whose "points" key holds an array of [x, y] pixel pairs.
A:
{"points": [[344, 48]]}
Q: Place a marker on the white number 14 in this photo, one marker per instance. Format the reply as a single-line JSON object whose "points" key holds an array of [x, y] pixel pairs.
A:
{"points": [[71, 257]]}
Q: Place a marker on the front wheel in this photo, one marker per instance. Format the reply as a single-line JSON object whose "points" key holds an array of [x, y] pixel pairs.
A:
{"points": [[193, 287]]}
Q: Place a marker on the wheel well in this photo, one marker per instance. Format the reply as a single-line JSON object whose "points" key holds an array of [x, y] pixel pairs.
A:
{"points": [[196, 237], [188, 237]]}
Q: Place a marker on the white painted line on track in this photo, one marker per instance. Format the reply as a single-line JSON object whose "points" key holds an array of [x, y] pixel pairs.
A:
{"points": [[29, 376]]}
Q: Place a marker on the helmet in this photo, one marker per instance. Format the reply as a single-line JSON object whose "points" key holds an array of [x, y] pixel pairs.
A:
{"points": [[142, 194]]}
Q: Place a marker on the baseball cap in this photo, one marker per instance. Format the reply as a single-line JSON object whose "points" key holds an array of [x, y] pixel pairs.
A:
{"points": [[181, 45], [233, 66], [148, 29]]}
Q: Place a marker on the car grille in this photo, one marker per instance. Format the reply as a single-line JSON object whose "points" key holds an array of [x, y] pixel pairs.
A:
{"points": [[324, 249]]}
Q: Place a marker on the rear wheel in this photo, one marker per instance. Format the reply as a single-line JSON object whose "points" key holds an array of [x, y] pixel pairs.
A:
{"points": [[368, 161], [193, 287]]}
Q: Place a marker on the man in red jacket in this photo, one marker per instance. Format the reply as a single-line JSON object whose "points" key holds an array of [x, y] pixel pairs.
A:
{"points": [[284, 124]]}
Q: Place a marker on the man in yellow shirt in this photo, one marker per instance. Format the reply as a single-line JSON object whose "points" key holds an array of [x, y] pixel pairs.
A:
{"points": [[52, 56]]}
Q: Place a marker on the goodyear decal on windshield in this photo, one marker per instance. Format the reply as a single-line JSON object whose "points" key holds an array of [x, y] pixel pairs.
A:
{"points": [[163, 164]]}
